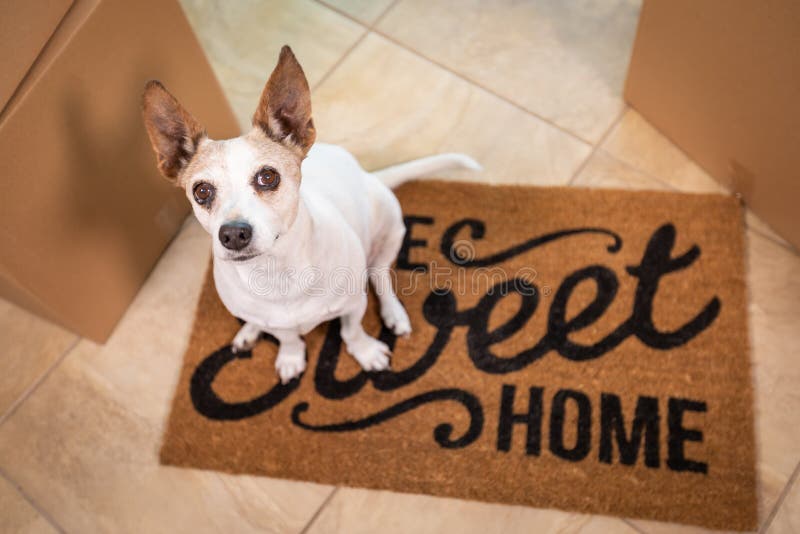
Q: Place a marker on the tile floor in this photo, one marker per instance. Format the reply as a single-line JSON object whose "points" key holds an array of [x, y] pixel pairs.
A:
{"points": [[533, 91]]}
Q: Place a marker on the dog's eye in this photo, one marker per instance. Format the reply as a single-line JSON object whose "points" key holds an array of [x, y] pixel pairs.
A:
{"points": [[203, 192], [267, 178]]}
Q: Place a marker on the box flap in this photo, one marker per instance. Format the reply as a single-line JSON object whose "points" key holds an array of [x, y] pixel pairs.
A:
{"points": [[25, 27]]}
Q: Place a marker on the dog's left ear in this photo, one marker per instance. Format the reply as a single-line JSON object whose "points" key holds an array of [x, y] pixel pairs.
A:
{"points": [[284, 111]]}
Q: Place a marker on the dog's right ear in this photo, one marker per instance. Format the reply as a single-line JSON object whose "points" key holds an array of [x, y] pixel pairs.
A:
{"points": [[174, 133]]}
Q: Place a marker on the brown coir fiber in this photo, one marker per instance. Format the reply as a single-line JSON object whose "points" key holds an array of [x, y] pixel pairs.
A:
{"points": [[576, 349]]}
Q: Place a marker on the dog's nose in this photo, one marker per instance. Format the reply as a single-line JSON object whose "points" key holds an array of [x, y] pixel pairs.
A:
{"points": [[235, 235]]}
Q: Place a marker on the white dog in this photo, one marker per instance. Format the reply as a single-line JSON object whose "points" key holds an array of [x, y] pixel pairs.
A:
{"points": [[282, 246]]}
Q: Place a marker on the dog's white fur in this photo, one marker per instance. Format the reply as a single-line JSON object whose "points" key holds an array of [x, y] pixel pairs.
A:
{"points": [[348, 225], [315, 241]]}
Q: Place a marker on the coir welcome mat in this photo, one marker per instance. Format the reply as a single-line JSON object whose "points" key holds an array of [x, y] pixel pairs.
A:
{"points": [[577, 349]]}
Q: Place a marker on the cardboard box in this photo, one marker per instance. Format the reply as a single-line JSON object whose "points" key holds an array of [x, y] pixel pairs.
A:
{"points": [[85, 214], [721, 79]]}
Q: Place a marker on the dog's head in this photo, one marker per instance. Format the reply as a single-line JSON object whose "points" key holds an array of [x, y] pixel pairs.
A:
{"points": [[244, 191]]}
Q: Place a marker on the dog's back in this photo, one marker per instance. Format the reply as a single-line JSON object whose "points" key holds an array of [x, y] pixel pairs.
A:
{"points": [[365, 204]]}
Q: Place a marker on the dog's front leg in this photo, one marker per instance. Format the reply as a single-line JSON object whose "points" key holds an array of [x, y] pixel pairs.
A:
{"points": [[371, 354], [246, 338], [291, 360]]}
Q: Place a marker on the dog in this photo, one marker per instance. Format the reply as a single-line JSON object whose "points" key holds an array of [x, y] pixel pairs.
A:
{"points": [[290, 219]]}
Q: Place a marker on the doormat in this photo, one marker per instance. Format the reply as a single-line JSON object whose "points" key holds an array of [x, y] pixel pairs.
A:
{"points": [[576, 349]]}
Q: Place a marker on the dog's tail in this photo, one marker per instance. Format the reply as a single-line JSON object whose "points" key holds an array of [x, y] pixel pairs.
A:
{"points": [[397, 174]]}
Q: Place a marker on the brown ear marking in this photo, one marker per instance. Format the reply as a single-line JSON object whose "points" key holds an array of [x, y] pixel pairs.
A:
{"points": [[284, 110], [174, 133]]}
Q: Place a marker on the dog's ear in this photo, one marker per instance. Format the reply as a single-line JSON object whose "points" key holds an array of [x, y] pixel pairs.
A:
{"points": [[284, 111], [173, 132]]}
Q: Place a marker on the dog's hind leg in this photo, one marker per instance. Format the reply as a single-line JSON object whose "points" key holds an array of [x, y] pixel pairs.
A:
{"points": [[380, 274]]}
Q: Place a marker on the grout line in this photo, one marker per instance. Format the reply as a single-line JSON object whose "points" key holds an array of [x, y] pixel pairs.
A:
{"points": [[41, 511], [340, 60], [382, 15], [597, 145], [367, 30], [646, 174], [346, 52], [631, 524], [319, 510], [38, 382], [345, 14], [781, 498], [453, 72], [772, 238], [479, 85]]}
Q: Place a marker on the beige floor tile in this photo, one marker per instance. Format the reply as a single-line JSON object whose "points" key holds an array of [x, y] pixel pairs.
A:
{"points": [[657, 527], [787, 520], [30, 346], [387, 105], [242, 40], [634, 141], [85, 444], [366, 11], [17, 515], [363, 511], [604, 171], [565, 61], [774, 282]]}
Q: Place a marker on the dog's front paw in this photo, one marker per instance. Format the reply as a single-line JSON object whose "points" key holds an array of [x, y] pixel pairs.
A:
{"points": [[371, 354], [246, 338], [290, 366], [395, 318]]}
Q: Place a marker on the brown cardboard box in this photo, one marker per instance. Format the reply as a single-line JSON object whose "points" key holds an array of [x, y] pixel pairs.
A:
{"points": [[85, 214], [721, 79]]}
